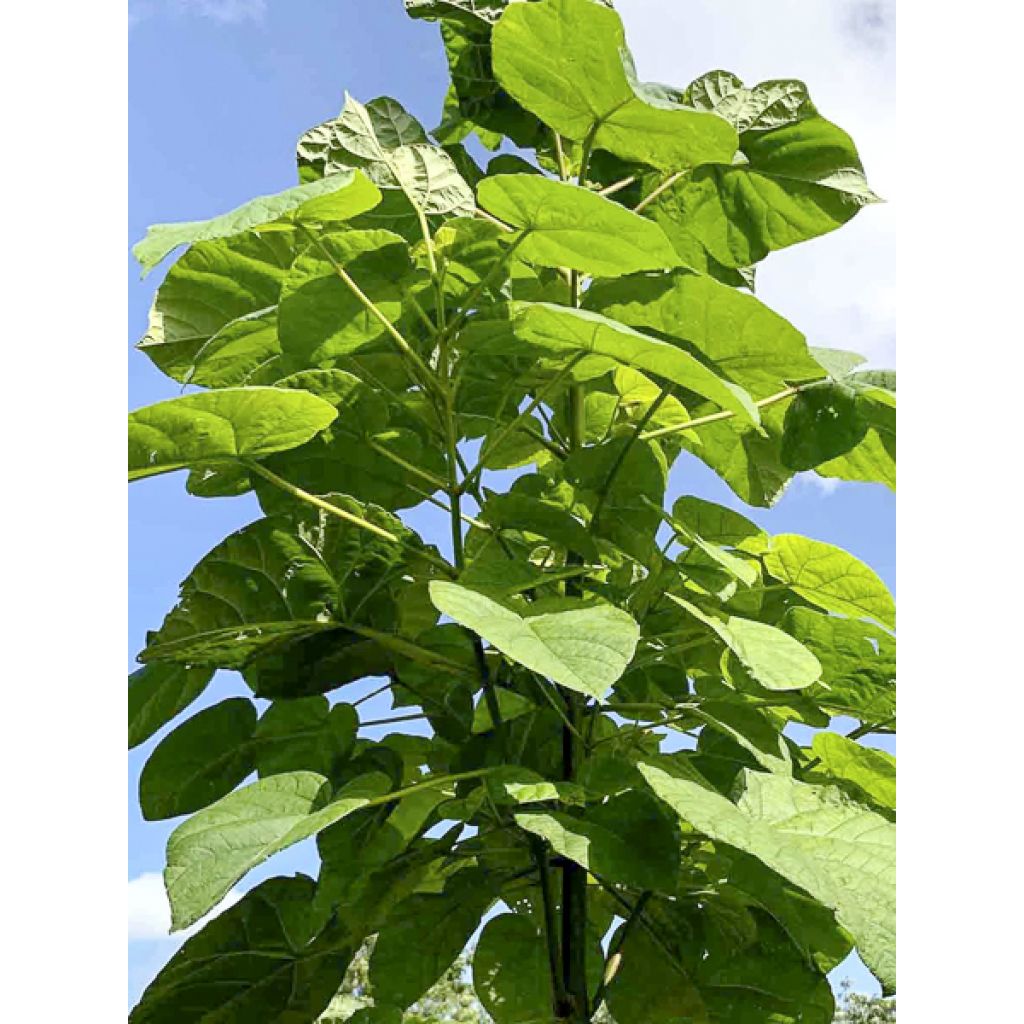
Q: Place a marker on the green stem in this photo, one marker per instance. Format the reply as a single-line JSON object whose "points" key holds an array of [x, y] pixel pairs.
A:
{"points": [[484, 215], [617, 186], [615, 953], [371, 695], [391, 721], [399, 794], [312, 499], [540, 855], [340, 513], [427, 238], [436, 482], [427, 378], [621, 457], [725, 414], [519, 422], [574, 876], [663, 187], [485, 282]]}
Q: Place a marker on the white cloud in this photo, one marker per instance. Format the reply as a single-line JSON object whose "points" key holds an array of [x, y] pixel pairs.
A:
{"points": [[827, 486], [227, 11], [149, 914], [838, 289]]}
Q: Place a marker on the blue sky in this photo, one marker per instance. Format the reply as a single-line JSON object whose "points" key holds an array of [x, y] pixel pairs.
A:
{"points": [[219, 90]]}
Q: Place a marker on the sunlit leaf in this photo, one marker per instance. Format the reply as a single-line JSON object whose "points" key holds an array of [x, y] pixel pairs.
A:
{"points": [[338, 197], [583, 647], [230, 424], [564, 61]]}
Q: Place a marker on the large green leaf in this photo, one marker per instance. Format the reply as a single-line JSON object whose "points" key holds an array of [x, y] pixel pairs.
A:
{"points": [[841, 853], [238, 352], [715, 522], [750, 728], [822, 423], [584, 647], [284, 588], [873, 772], [159, 691], [745, 982], [510, 971], [772, 657], [873, 460], [531, 515], [221, 425], [565, 60], [214, 848], [346, 457], [858, 663], [427, 932], [564, 225], [321, 317], [368, 865], [627, 839], [761, 108], [561, 329], [798, 176], [338, 197], [475, 101], [304, 734], [373, 130], [201, 761], [259, 962], [391, 147], [650, 989], [745, 340], [811, 926], [213, 285], [830, 578]]}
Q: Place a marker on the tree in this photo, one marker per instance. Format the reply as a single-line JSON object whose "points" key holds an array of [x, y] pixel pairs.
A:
{"points": [[609, 785]]}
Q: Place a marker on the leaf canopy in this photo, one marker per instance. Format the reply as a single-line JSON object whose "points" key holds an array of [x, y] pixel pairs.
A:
{"points": [[603, 676]]}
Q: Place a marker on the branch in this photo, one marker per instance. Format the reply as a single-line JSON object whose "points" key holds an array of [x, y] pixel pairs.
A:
{"points": [[391, 721], [540, 856], [725, 414]]}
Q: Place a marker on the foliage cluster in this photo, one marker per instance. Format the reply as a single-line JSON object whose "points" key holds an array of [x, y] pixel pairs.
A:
{"points": [[452, 1000], [609, 782]]}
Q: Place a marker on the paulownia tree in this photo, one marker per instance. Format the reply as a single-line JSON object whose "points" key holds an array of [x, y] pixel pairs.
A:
{"points": [[608, 787]]}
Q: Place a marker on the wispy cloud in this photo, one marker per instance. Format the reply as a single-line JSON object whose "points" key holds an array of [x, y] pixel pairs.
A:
{"points": [[826, 486], [868, 22], [149, 914], [225, 12]]}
